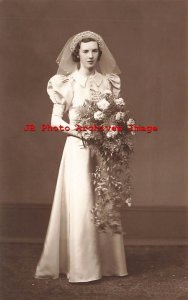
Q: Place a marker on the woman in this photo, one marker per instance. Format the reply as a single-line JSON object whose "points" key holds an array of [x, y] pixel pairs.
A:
{"points": [[73, 245]]}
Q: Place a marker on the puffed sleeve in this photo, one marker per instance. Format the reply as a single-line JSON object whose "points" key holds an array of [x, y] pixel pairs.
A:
{"points": [[115, 84], [59, 89]]}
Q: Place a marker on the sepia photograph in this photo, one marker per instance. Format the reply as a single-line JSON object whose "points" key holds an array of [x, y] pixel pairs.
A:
{"points": [[94, 167]]}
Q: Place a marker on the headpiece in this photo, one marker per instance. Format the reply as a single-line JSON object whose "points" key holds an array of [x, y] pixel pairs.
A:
{"points": [[107, 62], [85, 35]]}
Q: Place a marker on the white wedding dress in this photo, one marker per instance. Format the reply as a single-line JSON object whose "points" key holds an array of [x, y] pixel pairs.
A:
{"points": [[73, 245]]}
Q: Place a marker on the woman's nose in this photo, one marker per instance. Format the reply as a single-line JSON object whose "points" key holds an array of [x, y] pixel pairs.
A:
{"points": [[90, 54]]}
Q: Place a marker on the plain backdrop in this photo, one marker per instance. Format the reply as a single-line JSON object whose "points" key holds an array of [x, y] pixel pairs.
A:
{"points": [[148, 40]]}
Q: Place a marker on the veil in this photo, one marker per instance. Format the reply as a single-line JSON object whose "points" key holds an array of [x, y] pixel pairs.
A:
{"points": [[107, 63]]}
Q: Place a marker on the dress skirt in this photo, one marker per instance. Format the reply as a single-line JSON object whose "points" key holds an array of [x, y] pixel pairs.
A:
{"points": [[73, 244]]}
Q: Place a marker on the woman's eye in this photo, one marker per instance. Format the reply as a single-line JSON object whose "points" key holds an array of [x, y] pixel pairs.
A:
{"points": [[86, 51]]}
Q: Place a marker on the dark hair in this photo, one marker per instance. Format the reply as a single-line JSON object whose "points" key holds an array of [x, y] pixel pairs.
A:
{"points": [[75, 54]]}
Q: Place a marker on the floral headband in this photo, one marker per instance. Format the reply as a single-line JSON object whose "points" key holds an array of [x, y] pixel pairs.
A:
{"points": [[86, 34]]}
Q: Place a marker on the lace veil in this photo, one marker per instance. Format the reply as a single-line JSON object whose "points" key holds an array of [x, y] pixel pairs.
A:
{"points": [[107, 63]]}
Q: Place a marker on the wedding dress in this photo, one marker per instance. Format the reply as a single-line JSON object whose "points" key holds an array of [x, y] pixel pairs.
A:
{"points": [[73, 244]]}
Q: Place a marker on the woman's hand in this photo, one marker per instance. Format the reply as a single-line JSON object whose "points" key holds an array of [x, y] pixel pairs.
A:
{"points": [[75, 132]]}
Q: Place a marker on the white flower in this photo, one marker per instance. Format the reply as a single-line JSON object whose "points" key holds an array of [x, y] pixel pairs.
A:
{"points": [[107, 92], [128, 201], [86, 134], [119, 116], [98, 115], [119, 101], [130, 122], [103, 104], [111, 134]]}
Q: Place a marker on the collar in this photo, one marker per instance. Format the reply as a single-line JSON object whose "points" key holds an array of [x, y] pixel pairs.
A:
{"points": [[96, 77]]}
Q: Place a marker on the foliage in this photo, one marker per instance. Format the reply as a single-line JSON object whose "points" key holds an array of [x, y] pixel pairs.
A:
{"points": [[105, 123]]}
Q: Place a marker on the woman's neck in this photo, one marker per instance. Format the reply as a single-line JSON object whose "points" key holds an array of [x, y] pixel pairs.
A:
{"points": [[86, 72]]}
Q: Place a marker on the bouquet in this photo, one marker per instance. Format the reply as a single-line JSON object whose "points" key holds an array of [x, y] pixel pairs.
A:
{"points": [[104, 125]]}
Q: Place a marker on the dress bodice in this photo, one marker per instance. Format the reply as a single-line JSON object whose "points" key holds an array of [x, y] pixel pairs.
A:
{"points": [[69, 92]]}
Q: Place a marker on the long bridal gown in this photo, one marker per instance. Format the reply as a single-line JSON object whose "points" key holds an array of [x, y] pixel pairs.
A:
{"points": [[73, 244]]}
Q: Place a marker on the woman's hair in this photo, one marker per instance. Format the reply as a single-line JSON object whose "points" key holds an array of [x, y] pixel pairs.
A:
{"points": [[75, 53]]}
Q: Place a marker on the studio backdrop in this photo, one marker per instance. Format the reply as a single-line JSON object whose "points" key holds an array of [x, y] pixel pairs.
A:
{"points": [[148, 40]]}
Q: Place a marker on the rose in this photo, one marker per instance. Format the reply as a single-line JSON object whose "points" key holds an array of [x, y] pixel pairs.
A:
{"points": [[98, 115], [119, 101], [111, 134], [86, 134], [119, 116], [128, 201], [103, 104], [129, 123]]}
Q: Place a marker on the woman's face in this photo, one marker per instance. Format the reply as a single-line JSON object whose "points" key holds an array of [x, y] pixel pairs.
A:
{"points": [[88, 54]]}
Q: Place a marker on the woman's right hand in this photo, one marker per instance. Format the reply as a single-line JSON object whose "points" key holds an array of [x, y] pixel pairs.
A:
{"points": [[75, 132]]}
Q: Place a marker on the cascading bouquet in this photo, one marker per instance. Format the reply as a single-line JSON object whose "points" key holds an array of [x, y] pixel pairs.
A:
{"points": [[104, 124]]}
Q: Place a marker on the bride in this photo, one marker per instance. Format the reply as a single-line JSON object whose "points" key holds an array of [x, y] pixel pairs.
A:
{"points": [[73, 245]]}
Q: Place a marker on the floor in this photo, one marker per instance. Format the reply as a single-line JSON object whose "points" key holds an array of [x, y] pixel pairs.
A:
{"points": [[156, 273]]}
